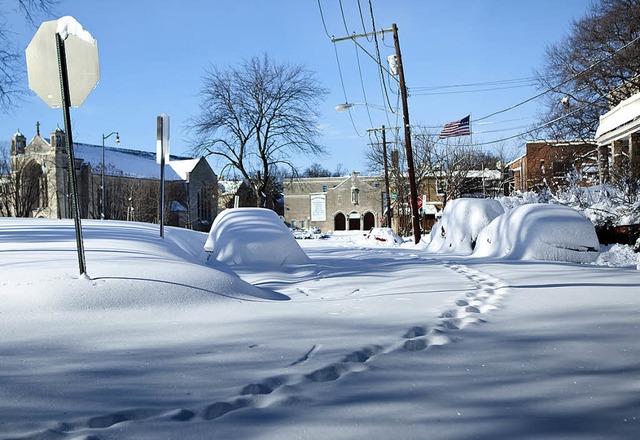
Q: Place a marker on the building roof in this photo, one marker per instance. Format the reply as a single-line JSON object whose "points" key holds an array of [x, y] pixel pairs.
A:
{"points": [[620, 121], [133, 163]]}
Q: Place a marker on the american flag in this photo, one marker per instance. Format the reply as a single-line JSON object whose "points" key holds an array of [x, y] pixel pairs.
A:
{"points": [[457, 128]]}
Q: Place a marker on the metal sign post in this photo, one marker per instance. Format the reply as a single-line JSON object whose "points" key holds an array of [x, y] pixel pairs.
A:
{"points": [[162, 156], [75, 57], [64, 93]]}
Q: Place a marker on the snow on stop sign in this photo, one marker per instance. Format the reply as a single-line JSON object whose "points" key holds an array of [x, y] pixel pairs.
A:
{"points": [[82, 62]]}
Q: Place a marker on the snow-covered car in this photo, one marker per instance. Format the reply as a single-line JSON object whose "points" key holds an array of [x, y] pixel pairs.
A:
{"points": [[461, 222], [539, 232], [300, 234]]}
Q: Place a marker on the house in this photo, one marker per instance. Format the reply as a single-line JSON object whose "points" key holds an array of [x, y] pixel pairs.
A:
{"points": [[131, 183], [348, 203], [547, 164], [618, 140]]}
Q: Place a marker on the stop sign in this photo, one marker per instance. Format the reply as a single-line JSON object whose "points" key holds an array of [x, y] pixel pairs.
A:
{"points": [[42, 65]]}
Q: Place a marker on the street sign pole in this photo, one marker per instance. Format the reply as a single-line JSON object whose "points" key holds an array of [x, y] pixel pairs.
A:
{"points": [[63, 45], [64, 91], [162, 155]]}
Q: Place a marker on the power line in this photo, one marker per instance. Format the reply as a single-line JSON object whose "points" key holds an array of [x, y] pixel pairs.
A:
{"points": [[530, 80], [413, 93], [324, 24], [554, 88]]}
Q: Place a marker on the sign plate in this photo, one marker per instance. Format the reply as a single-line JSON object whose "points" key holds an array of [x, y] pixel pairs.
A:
{"points": [[42, 66]]}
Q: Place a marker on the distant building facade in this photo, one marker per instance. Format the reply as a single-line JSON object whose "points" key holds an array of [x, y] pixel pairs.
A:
{"points": [[39, 176], [351, 203]]}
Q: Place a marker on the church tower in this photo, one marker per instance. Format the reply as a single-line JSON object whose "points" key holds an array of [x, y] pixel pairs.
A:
{"points": [[58, 140], [18, 143]]}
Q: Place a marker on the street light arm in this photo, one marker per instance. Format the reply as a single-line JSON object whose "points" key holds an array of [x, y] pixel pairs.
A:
{"points": [[341, 108]]}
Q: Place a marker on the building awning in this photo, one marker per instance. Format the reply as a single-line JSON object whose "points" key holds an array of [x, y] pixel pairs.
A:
{"points": [[620, 121]]}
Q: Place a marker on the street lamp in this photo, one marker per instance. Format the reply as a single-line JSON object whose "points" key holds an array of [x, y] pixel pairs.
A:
{"points": [[341, 108], [102, 171]]}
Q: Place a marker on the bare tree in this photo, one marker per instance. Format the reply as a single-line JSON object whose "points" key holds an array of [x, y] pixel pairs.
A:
{"points": [[11, 58], [594, 68], [257, 117], [316, 170]]}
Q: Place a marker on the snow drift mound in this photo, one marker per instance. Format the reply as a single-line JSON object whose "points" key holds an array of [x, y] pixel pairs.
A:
{"points": [[248, 236], [384, 237], [539, 232], [461, 222]]}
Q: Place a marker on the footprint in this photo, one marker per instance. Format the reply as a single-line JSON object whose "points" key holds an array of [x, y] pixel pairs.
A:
{"points": [[415, 331], [219, 409], [417, 344], [363, 355]]}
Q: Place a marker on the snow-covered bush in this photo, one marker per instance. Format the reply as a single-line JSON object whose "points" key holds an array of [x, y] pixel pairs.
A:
{"points": [[617, 255], [461, 222], [539, 232]]}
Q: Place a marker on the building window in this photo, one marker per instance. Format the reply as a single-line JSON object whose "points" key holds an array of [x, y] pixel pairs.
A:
{"points": [[441, 187], [293, 224], [44, 192], [203, 205], [561, 169], [324, 188], [301, 224], [355, 192]]}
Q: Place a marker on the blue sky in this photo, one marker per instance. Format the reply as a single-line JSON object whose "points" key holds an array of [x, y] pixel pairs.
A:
{"points": [[153, 56]]}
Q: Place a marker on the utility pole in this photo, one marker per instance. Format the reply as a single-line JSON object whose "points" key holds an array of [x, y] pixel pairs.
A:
{"points": [[407, 139], [384, 129], [407, 127]]}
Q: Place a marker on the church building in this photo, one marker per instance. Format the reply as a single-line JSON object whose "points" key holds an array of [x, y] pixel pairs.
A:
{"points": [[38, 185]]}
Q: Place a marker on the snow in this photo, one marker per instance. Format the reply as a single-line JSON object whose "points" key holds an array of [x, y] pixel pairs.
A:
{"points": [[133, 163], [365, 342], [539, 232], [69, 26], [253, 236], [384, 237], [461, 222]]}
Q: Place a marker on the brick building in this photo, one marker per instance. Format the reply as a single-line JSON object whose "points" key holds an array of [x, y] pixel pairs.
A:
{"points": [[546, 164]]}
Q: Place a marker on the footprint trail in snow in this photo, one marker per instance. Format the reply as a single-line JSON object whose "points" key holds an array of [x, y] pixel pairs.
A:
{"points": [[483, 297]]}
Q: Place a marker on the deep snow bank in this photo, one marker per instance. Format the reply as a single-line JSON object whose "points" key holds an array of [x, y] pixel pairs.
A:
{"points": [[461, 222], [129, 267], [539, 232], [253, 236]]}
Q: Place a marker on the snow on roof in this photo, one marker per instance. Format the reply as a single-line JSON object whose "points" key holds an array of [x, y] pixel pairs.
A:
{"points": [[183, 167], [130, 163], [622, 114]]}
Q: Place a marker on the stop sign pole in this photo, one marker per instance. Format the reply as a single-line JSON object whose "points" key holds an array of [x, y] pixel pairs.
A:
{"points": [[64, 94], [64, 46]]}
